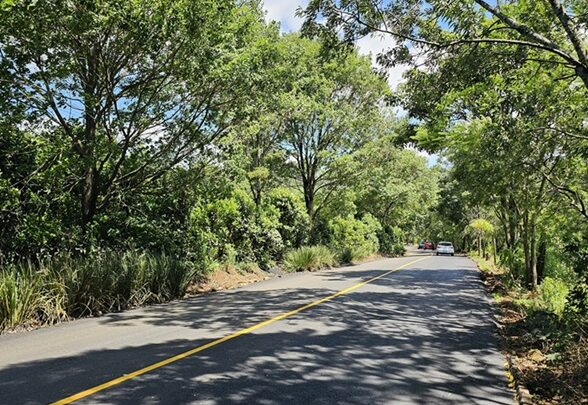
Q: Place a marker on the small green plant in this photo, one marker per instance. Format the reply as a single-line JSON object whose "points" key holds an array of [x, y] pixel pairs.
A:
{"points": [[309, 258], [553, 293], [248, 267], [19, 298], [26, 296]]}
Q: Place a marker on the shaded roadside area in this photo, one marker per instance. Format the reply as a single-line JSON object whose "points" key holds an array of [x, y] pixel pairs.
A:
{"points": [[548, 354], [421, 335]]}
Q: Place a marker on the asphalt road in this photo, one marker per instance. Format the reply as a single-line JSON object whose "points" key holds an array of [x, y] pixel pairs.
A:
{"points": [[419, 335]]}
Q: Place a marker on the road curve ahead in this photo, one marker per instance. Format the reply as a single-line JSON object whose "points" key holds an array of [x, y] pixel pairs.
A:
{"points": [[420, 335]]}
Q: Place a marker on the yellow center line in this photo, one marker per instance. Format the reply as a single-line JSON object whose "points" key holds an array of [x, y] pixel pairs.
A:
{"points": [[159, 364]]}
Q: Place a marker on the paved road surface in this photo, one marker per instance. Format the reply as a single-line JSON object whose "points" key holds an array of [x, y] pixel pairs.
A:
{"points": [[420, 335]]}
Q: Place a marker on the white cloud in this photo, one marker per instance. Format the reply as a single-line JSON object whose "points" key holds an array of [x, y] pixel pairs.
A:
{"points": [[284, 11], [375, 44]]}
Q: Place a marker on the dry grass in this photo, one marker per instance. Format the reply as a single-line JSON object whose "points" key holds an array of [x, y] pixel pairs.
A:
{"points": [[228, 276]]}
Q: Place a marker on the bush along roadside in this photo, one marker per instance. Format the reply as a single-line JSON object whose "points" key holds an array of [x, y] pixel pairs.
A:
{"points": [[545, 334], [309, 258], [60, 288], [63, 287]]}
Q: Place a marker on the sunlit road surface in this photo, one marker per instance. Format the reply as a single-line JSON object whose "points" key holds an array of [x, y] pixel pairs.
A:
{"points": [[420, 335]]}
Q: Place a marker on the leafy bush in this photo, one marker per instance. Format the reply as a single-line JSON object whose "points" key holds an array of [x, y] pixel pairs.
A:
{"points": [[391, 240], [293, 221], [553, 293], [309, 258], [353, 238], [513, 259], [577, 301], [234, 229]]}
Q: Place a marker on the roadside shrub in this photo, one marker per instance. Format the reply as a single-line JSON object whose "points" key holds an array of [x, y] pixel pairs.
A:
{"points": [[513, 259], [20, 298], [391, 240], [577, 301], [247, 267], [292, 220], [309, 258], [352, 238], [234, 229], [27, 296], [108, 281], [553, 293], [168, 276]]}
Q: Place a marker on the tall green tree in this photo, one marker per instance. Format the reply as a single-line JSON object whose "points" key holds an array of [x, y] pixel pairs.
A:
{"points": [[332, 107], [397, 187], [135, 88]]}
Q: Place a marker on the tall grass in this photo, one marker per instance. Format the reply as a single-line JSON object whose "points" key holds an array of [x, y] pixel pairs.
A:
{"points": [[309, 258], [58, 288], [26, 298]]}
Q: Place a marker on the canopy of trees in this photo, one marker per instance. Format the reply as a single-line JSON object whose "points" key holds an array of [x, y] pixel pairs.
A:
{"points": [[167, 138]]}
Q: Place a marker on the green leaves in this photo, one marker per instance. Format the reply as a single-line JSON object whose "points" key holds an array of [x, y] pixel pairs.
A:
{"points": [[437, 29], [331, 109]]}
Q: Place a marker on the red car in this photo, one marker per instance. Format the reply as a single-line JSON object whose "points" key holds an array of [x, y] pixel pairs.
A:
{"points": [[429, 245]]}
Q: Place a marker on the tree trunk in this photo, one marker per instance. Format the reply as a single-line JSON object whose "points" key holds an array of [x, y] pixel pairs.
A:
{"points": [[533, 258], [526, 249], [512, 224], [309, 200], [89, 195], [541, 258], [87, 151], [530, 249], [506, 235], [582, 72], [255, 186]]}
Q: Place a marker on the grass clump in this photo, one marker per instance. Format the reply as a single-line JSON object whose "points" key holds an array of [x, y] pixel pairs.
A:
{"points": [[61, 287], [248, 268], [26, 297], [309, 258]]}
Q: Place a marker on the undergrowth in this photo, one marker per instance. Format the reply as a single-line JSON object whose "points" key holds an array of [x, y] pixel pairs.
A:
{"points": [[309, 258], [545, 333], [59, 288]]}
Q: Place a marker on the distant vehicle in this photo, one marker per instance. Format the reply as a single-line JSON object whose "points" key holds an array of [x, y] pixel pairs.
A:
{"points": [[429, 245], [421, 245], [445, 248]]}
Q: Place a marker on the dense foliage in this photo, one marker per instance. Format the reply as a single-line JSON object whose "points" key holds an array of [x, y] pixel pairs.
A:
{"points": [[144, 144]]}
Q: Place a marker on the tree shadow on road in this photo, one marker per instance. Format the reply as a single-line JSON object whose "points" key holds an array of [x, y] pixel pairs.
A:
{"points": [[417, 336]]}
